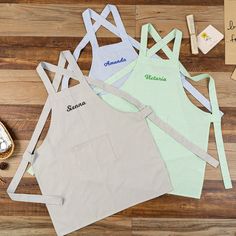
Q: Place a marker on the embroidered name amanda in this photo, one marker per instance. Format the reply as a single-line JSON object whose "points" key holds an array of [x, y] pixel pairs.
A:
{"points": [[70, 107], [150, 77], [109, 63]]}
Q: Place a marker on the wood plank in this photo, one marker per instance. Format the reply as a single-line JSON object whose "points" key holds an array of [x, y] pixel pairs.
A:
{"points": [[211, 173], [28, 80], [22, 226], [126, 2], [21, 121], [42, 225], [180, 2], [181, 227], [100, 2], [165, 17], [216, 203], [27, 52], [53, 19]]}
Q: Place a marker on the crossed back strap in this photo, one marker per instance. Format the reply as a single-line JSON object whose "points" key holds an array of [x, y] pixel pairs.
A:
{"points": [[100, 20], [89, 14], [175, 35]]}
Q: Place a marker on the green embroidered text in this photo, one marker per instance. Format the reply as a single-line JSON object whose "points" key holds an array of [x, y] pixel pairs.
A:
{"points": [[150, 77]]}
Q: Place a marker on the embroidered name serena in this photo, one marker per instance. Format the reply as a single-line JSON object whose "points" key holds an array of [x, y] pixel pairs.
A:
{"points": [[150, 77], [70, 107], [109, 63]]}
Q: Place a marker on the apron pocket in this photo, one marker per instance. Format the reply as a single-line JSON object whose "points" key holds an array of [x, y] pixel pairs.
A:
{"points": [[93, 157]]}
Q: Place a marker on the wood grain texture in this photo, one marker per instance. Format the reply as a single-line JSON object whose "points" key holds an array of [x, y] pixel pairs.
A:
{"points": [[52, 19], [26, 52], [167, 17], [30, 88], [209, 206], [41, 226], [181, 227], [37, 30], [21, 121], [211, 173], [126, 2]]}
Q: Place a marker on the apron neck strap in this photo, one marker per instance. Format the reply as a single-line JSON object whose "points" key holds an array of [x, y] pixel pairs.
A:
{"points": [[161, 43], [73, 71], [89, 28], [101, 21]]}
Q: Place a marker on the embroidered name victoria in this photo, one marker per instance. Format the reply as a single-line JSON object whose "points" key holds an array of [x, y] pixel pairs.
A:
{"points": [[150, 77], [109, 63], [70, 107]]}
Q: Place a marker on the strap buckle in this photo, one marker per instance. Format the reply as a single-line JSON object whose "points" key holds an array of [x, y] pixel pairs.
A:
{"points": [[146, 111], [28, 156]]}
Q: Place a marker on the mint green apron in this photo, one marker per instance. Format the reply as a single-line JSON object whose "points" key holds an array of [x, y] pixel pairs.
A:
{"points": [[157, 83]]}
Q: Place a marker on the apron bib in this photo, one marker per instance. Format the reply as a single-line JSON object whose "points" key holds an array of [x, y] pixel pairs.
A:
{"points": [[157, 83], [95, 160], [109, 59]]}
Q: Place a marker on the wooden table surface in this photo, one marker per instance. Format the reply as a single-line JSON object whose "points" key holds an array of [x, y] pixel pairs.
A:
{"points": [[37, 30]]}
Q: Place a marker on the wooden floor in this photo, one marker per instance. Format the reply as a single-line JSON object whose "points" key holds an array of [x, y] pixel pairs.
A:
{"points": [[36, 30]]}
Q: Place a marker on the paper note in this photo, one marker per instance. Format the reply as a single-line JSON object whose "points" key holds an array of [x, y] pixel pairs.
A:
{"points": [[209, 38], [230, 32]]}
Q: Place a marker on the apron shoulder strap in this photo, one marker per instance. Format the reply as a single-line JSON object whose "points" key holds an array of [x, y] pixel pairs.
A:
{"points": [[91, 29], [29, 153], [86, 39], [175, 35], [28, 158]]}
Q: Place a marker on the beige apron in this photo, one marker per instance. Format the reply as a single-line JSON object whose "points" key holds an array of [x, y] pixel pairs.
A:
{"points": [[95, 160]]}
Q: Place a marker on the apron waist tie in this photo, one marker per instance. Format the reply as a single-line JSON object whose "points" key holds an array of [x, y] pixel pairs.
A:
{"points": [[181, 139], [52, 200], [221, 153]]}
